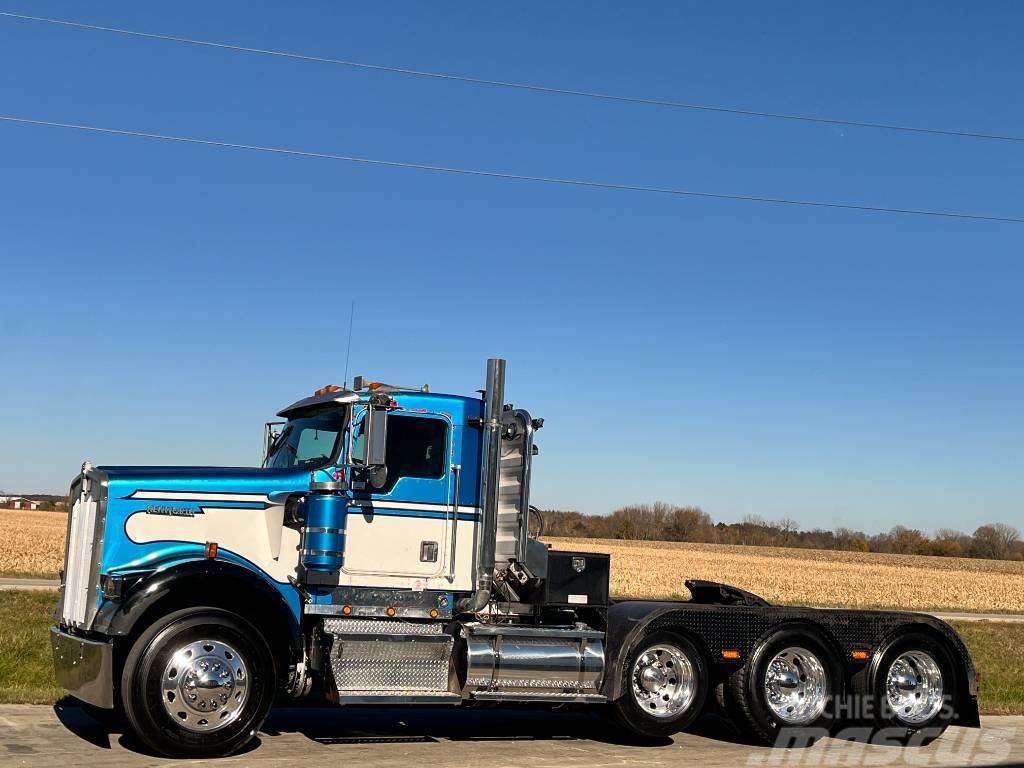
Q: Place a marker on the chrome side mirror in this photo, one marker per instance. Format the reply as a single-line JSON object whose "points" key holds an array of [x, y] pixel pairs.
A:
{"points": [[375, 426], [369, 444]]}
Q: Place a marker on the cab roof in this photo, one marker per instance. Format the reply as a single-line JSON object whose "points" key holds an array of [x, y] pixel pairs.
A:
{"points": [[341, 396]]}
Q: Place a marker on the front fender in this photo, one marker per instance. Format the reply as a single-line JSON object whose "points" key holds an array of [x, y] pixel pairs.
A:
{"points": [[217, 583]]}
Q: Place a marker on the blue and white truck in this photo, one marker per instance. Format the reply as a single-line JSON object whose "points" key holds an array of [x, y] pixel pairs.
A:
{"points": [[385, 553]]}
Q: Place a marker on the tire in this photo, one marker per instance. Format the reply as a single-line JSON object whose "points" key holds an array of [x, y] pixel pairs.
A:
{"points": [[666, 684], [198, 683], [786, 692], [917, 710]]}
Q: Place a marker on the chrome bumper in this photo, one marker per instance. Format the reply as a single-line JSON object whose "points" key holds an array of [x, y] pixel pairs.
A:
{"points": [[85, 668]]}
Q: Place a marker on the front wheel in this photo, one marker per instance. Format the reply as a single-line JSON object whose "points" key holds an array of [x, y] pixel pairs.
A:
{"points": [[665, 687], [198, 683]]}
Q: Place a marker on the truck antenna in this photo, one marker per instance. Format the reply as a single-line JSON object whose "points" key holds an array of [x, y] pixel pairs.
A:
{"points": [[348, 349]]}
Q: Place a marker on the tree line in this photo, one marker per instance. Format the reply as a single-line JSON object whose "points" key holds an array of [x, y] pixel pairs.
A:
{"points": [[668, 522]]}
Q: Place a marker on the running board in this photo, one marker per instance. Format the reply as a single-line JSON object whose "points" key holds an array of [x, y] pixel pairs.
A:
{"points": [[397, 697], [558, 698]]}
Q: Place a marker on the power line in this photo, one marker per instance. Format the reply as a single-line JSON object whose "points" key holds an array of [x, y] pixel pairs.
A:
{"points": [[738, 111], [507, 176]]}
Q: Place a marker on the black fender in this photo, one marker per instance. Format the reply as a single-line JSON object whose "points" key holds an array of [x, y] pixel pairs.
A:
{"points": [[628, 621], [739, 626], [207, 582]]}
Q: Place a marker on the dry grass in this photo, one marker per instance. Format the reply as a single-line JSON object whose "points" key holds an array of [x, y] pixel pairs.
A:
{"points": [[813, 577], [31, 543]]}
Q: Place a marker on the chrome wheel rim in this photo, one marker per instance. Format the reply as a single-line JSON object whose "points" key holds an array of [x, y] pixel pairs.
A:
{"points": [[913, 686], [205, 685], [664, 683], [796, 686]]}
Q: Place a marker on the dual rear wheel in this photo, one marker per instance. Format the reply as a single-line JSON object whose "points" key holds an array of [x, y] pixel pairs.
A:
{"points": [[910, 690], [786, 692], [665, 686]]}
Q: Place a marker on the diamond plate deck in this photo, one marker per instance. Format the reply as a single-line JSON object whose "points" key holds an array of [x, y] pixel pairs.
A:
{"points": [[391, 665]]}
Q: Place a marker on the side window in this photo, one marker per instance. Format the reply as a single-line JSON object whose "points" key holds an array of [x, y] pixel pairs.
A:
{"points": [[417, 447]]}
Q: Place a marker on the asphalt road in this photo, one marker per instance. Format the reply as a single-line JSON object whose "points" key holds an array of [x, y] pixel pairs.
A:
{"points": [[29, 584], [42, 736]]}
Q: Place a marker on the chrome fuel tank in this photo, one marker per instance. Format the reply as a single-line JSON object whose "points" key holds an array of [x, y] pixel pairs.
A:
{"points": [[532, 662]]}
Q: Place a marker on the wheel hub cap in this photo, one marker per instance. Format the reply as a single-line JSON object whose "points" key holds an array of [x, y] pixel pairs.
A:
{"points": [[796, 686], [663, 681], [652, 679], [205, 685], [914, 688]]}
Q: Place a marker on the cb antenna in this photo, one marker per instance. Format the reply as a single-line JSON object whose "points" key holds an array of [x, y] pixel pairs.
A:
{"points": [[348, 349]]}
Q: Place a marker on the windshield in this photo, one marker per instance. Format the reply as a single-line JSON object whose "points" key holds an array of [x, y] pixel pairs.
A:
{"points": [[307, 441]]}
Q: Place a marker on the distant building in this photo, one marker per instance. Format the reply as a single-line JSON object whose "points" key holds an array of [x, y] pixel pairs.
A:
{"points": [[19, 502]]}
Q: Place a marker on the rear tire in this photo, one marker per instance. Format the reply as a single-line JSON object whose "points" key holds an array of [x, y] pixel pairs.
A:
{"points": [[198, 683], [785, 694], [911, 690], [665, 686]]}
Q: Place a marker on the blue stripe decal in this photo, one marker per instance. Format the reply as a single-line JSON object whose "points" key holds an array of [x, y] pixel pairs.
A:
{"points": [[439, 515], [230, 504]]}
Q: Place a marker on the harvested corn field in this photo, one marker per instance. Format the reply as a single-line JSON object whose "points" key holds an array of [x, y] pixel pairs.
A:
{"points": [[31, 543], [812, 577]]}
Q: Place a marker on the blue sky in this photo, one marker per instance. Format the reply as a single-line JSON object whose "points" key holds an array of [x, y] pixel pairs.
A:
{"points": [[161, 301]]}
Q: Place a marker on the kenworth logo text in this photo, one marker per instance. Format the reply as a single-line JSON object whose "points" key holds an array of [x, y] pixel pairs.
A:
{"points": [[172, 511]]}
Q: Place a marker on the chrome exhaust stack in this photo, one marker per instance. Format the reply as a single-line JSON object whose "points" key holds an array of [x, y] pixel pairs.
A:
{"points": [[494, 399]]}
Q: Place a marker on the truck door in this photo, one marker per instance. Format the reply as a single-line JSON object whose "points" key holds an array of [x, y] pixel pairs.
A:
{"points": [[403, 529]]}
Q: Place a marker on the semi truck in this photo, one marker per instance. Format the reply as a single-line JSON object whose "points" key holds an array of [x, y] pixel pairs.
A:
{"points": [[386, 553]]}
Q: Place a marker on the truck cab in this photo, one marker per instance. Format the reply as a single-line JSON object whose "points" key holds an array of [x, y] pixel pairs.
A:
{"points": [[386, 552]]}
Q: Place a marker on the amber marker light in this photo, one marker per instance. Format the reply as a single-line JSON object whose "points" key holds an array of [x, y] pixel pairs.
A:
{"points": [[211, 550], [346, 610], [730, 654], [433, 613], [859, 655], [390, 611]]}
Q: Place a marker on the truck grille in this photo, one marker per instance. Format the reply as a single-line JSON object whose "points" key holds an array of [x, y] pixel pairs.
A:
{"points": [[83, 551]]}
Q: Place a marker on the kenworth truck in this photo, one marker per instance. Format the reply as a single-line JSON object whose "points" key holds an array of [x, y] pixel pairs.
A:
{"points": [[386, 553]]}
